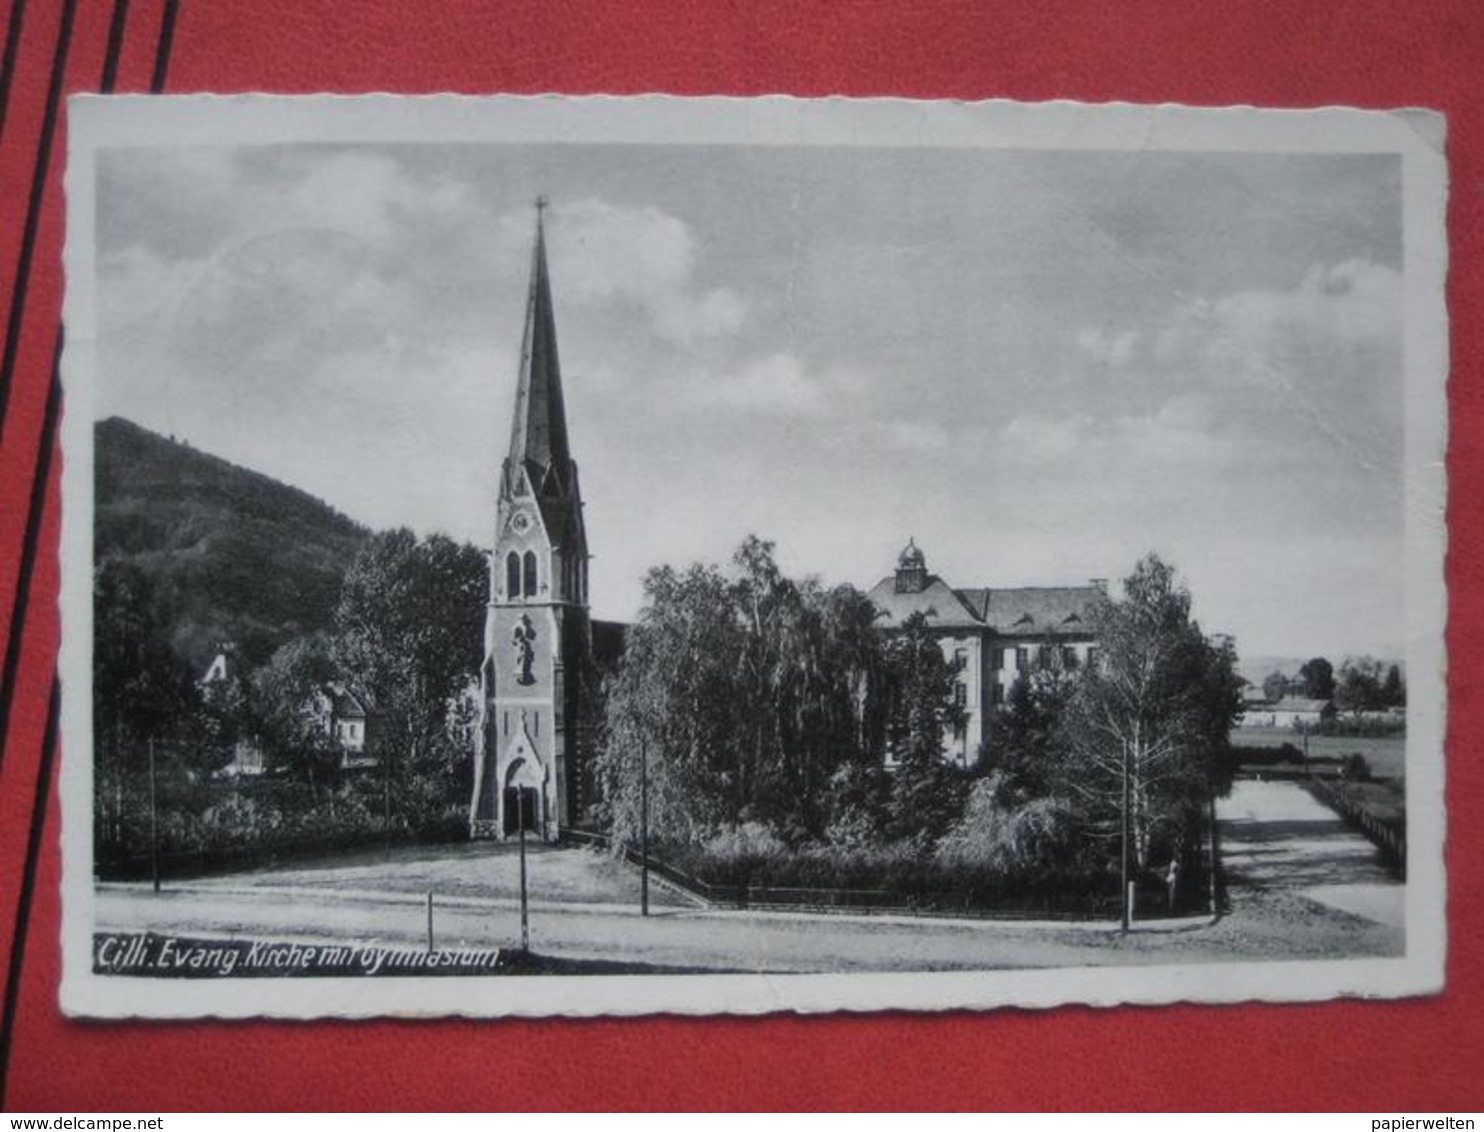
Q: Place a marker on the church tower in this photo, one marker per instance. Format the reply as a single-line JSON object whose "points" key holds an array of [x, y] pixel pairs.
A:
{"points": [[537, 635]]}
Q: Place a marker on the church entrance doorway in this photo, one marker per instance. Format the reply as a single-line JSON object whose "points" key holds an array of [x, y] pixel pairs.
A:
{"points": [[522, 808]]}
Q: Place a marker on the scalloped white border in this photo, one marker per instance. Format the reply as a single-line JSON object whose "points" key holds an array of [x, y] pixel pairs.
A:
{"points": [[1416, 135]]}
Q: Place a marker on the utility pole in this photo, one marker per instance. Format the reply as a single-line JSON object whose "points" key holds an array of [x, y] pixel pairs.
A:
{"points": [[386, 802], [1125, 885], [1215, 850], [154, 825], [643, 826], [525, 923]]}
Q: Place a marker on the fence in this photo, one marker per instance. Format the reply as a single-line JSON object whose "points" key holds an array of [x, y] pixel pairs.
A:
{"points": [[1390, 837], [115, 866], [879, 901]]}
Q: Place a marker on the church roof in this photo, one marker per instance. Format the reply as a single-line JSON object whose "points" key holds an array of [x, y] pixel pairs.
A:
{"points": [[538, 432]]}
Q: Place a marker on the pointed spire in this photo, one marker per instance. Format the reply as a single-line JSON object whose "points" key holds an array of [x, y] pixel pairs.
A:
{"points": [[538, 433]]}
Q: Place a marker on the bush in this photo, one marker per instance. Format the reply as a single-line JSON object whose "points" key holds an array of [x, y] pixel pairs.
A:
{"points": [[1003, 838], [1369, 726], [1286, 754], [1355, 768]]}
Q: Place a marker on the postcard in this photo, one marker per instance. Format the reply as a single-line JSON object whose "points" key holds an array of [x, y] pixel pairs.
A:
{"points": [[1006, 565]]}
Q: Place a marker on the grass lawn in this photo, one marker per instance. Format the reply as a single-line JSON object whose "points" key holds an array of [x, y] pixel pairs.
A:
{"points": [[1384, 799], [1386, 754], [473, 868]]}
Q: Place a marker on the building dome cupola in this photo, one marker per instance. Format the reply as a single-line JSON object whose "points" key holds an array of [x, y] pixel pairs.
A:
{"points": [[911, 569]]}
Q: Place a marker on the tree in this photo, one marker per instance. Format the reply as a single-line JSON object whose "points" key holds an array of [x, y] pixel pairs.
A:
{"points": [[292, 728], [1275, 686], [1028, 733], [1359, 687], [746, 692], [1146, 726], [928, 793], [1318, 676], [675, 706], [408, 639], [1394, 690], [142, 696]]}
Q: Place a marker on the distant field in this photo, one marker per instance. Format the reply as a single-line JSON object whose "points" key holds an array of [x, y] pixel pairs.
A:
{"points": [[1387, 755]]}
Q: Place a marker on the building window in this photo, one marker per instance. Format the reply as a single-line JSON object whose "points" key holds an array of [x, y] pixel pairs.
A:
{"points": [[1068, 657], [960, 695], [997, 692], [999, 659], [960, 659], [530, 573], [1092, 656], [1022, 659], [512, 575]]}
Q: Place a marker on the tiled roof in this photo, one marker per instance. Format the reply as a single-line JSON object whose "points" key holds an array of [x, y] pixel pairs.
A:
{"points": [[1025, 611], [1298, 703], [1040, 609], [345, 703], [608, 642], [941, 605]]}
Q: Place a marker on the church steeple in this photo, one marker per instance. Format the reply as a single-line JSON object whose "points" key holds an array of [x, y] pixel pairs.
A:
{"points": [[539, 476], [538, 432], [534, 682]]}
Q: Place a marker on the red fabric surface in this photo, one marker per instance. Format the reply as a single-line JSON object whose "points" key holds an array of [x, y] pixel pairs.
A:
{"points": [[1346, 1055]]}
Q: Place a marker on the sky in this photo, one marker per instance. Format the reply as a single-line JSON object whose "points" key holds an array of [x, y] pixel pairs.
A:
{"points": [[1039, 364]]}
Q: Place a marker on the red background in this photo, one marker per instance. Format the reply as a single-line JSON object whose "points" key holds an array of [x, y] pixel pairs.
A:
{"points": [[1346, 1055]]}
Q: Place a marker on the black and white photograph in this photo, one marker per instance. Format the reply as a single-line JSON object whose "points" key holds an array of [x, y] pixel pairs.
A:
{"points": [[542, 556]]}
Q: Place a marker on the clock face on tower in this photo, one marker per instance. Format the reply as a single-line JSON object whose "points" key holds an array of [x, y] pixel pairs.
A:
{"points": [[521, 522]]}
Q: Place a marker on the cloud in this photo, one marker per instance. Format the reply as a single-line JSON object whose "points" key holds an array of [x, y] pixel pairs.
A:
{"points": [[604, 254], [1038, 437], [1114, 351], [916, 436], [776, 384], [1354, 304], [1180, 434]]}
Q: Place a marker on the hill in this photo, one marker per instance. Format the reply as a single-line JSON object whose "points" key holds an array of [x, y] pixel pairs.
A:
{"points": [[235, 555]]}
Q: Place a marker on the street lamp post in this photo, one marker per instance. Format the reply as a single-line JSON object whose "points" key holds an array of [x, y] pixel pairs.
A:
{"points": [[1125, 885], [643, 826], [525, 923], [154, 830]]}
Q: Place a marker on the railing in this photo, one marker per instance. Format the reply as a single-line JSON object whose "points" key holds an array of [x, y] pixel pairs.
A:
{"points": [[112, 865], [871, 901], [1390, 837]]}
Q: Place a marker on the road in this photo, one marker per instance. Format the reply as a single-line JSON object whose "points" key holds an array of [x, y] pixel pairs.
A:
{"points": [[1302, 887]]}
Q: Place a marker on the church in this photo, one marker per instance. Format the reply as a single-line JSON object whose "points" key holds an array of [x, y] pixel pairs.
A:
{"points": [[538, 637], [542, 650]]}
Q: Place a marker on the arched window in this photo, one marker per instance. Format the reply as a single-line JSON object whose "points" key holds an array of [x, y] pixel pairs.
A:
{"points": [[512, 574], [530, 573]]}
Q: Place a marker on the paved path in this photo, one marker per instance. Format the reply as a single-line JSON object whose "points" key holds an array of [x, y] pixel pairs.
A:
{"points": [[1277, 837]]}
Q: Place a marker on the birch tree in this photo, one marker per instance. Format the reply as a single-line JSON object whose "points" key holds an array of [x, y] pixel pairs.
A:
{"points": [[1147, 723]]}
